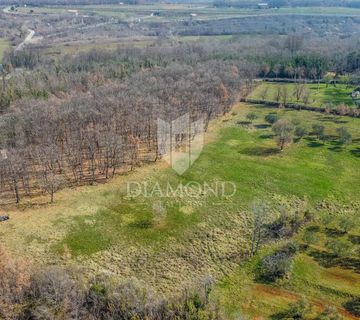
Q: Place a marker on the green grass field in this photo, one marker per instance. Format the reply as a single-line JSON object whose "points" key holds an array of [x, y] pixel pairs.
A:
{"points": [[4, 44], [254, 164], [172, 242], [319, 94]]}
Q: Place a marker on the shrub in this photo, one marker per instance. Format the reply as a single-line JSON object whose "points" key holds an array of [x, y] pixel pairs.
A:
{"points": [[272, 117], [353, 306], [283, 130], [301, 309], [338, 247], [278, 264], [288, 223], [346, 224], [311, 237], [330, 313], [14, 284], [275, 267], [55, 293], [251, 116], [290, 248], [342, 109], [319, 131], [300, 132], [344, 135]]}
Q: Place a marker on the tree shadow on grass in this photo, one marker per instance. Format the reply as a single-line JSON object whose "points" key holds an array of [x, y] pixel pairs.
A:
{"points": [[279, 316], [335, 149], [262, 126], [329, 260], [353, 306], [266, 136], [141, 224], [315, 144], [313, 228], [334, 119], [338, 121], [334, 232], [260, 151], [354, 239], [333, 139], [244, 123], [356, 152], [327, 118], [336, 146]]}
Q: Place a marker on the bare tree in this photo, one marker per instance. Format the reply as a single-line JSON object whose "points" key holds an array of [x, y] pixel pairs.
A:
{"points": [[284, 131], [260, 219], [51, 183]]}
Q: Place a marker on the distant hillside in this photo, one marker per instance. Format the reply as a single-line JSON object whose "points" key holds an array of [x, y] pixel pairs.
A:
{"points": [[217, 3]]}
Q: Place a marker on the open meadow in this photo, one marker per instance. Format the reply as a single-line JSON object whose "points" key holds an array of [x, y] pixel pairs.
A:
{"points": [[317, 95], [172, 242]]}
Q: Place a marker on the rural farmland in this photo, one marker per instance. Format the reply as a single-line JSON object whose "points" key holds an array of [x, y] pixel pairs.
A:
{"points": [[183, 160]]}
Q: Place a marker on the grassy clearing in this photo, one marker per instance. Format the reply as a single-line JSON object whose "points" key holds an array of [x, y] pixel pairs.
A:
{"points": [[241, 295], [319, 94], [4, 44], [317, 274], [204, 38], [76, 47], [176, 241], [338, 11]]}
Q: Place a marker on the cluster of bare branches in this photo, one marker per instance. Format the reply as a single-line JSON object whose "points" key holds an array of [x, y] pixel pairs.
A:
{"points": [[27, 292], [110, 128]]}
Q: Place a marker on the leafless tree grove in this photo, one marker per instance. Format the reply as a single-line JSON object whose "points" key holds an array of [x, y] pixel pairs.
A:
{"points": [[102, 125]]}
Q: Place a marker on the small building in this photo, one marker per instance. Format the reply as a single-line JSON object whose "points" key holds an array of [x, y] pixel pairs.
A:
{"points": [[263, 5], [355, 94], [193, 15], [155, 14], [74, 12]]}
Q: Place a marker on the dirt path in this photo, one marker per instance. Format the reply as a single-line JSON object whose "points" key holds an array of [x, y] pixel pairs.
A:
{"points": [[29, 37], [27, 40]]}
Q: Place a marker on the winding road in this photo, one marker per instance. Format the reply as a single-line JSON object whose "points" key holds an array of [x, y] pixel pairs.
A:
{"points": [[28, 38]]}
